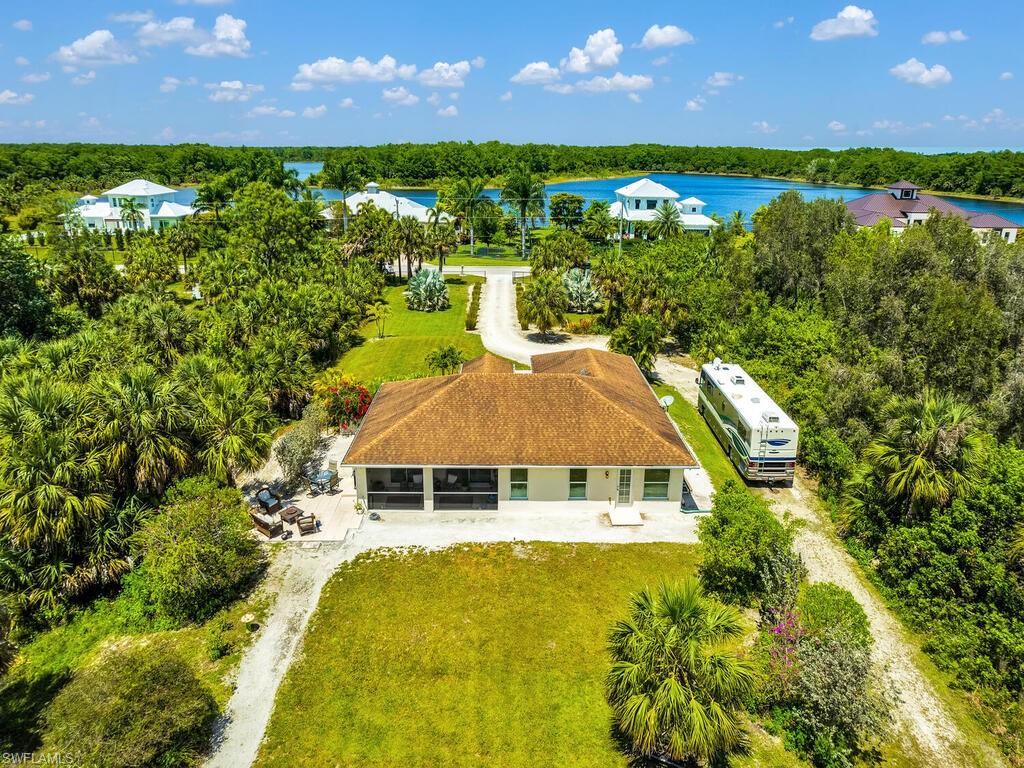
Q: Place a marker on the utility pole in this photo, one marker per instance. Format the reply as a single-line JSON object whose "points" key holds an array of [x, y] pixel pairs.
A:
{"points": [[621, 206]]}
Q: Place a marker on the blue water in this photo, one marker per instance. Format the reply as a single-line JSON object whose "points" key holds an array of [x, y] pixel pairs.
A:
{"points": [[723, 194]]}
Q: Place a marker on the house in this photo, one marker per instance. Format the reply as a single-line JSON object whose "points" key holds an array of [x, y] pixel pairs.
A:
{"points": [[399, 207], [158, 206], [905, 205], [639, 201], [583, 427]]}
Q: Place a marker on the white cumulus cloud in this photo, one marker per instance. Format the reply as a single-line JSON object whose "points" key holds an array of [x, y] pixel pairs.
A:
{"points": [[226, 39], [170, 84], [1006, 76], [84, 78], [314, 113], [696, 104], [536, 73], [400, 96], [601, 51], [837, 126], [179, 30], [7, 96], [918, 73], [269, 110], [617, 82], [132, 17], [941, 38], [445, 75], [233, 90], [360, 69], [634, 97], [21, 61], [347, 103], [35, 77], [718, 80], [478, 62], [664, 37], [506, 96], [450, 111], [852, 21], [95, 49], [23, 25], [763, 126]]}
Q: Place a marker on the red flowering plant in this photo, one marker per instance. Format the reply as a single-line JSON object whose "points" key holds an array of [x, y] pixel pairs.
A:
{"points": [[782, 639], [345, 400]]}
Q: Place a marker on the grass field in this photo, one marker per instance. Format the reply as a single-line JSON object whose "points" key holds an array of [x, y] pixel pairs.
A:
{"points": [[409, 336], [475, 655], [484, 256]]}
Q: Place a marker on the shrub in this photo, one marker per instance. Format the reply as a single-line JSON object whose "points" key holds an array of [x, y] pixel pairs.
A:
{"points": [[297, 447], [146, 262], [828, 608], [781, 575], [521, 313], [427, 292], [217, 645], [584, 296], [344, 400], [738, 538], [197, 556], [141, 706], [474, 307]]}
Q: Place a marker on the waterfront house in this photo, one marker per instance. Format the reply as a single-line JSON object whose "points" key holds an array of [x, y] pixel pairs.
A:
{"points": [[157, 204], [397, 206], [582, 427], [639, 201], [905, 205]]}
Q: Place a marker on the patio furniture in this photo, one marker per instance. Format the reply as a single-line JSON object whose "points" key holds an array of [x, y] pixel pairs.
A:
{"points": [[265, 523], [291, 513], [307, 524], [311, 490], [327, 480], [269, 500], [332, 465]]}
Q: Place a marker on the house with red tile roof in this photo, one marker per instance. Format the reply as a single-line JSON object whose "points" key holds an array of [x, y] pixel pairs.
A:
{"points": [[905, 205]]}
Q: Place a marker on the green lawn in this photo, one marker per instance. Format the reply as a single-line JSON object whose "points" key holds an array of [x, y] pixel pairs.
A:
{"points": [[409, 336], [484, 256], [474, 655], [699, 436]]}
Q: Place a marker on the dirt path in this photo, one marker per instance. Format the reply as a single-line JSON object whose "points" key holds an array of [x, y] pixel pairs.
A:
{"points": [[297, 574], [920, 714]]}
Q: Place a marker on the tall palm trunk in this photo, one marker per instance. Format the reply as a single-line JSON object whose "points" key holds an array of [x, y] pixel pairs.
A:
{"points": [[522, 230], [344, 211]]}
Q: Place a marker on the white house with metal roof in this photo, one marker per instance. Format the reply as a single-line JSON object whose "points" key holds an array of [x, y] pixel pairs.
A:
{"points": [[399, 207], [639, 201], [157, 204]]}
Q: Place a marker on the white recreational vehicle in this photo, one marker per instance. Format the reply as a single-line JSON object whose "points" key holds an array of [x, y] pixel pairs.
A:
{"points": [[759, 438]]}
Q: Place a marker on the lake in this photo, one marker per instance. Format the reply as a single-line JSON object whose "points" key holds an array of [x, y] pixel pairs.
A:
{"points": [[723, 194]]}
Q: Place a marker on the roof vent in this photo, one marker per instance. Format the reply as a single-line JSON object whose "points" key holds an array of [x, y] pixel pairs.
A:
{"points": [[584, 372], [738, 380]]}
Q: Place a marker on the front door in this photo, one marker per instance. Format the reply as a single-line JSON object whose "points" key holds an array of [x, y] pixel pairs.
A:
{"points": [[625, 486]]}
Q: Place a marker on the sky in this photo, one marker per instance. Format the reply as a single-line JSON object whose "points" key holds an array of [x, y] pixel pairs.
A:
{"points": [[936, 74]]}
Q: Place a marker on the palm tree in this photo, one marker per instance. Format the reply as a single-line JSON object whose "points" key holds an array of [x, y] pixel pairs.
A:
{"points": [[598, 223], [139, 419], [523, 192], [929, 452], [232, 426], [183, 241], [131, 212], [446, 359], [443, 240], [641, 337], [667, 221], [379, 314], [343, 177], [291, 183], [469, 191], [675, 688], [213, 197], [410, 240], [545, 302]]}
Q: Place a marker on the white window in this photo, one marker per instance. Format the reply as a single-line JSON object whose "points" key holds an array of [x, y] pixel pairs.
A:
{"points": [[656, 484]]}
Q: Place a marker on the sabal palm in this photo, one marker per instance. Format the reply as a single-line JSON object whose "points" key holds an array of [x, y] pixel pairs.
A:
{"points": [[929, 452], [212, 197], [131, 212], [667, 221], [469, 192], [523, 192], [545, 301], [598, 223], [443, 240], [184, 242], [232, 427], [411, 239], [139, 422], [343, 177], [675, 687], [50, 477]]}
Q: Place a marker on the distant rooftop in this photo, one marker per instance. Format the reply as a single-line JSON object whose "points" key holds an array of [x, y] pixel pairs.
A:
{"points": [[903, 184], [646, 188], [140, 188]]}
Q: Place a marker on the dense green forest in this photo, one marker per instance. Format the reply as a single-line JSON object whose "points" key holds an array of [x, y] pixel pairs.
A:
{"points": [[902, 360], [92, 166]]}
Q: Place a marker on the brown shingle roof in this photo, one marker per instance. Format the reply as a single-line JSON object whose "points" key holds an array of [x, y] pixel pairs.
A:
{"points": [[487, 363], [587, 408], [903, 184], [869, 209]]}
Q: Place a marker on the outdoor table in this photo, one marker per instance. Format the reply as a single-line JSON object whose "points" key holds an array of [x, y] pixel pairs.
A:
{"points": [[290, 514]]}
